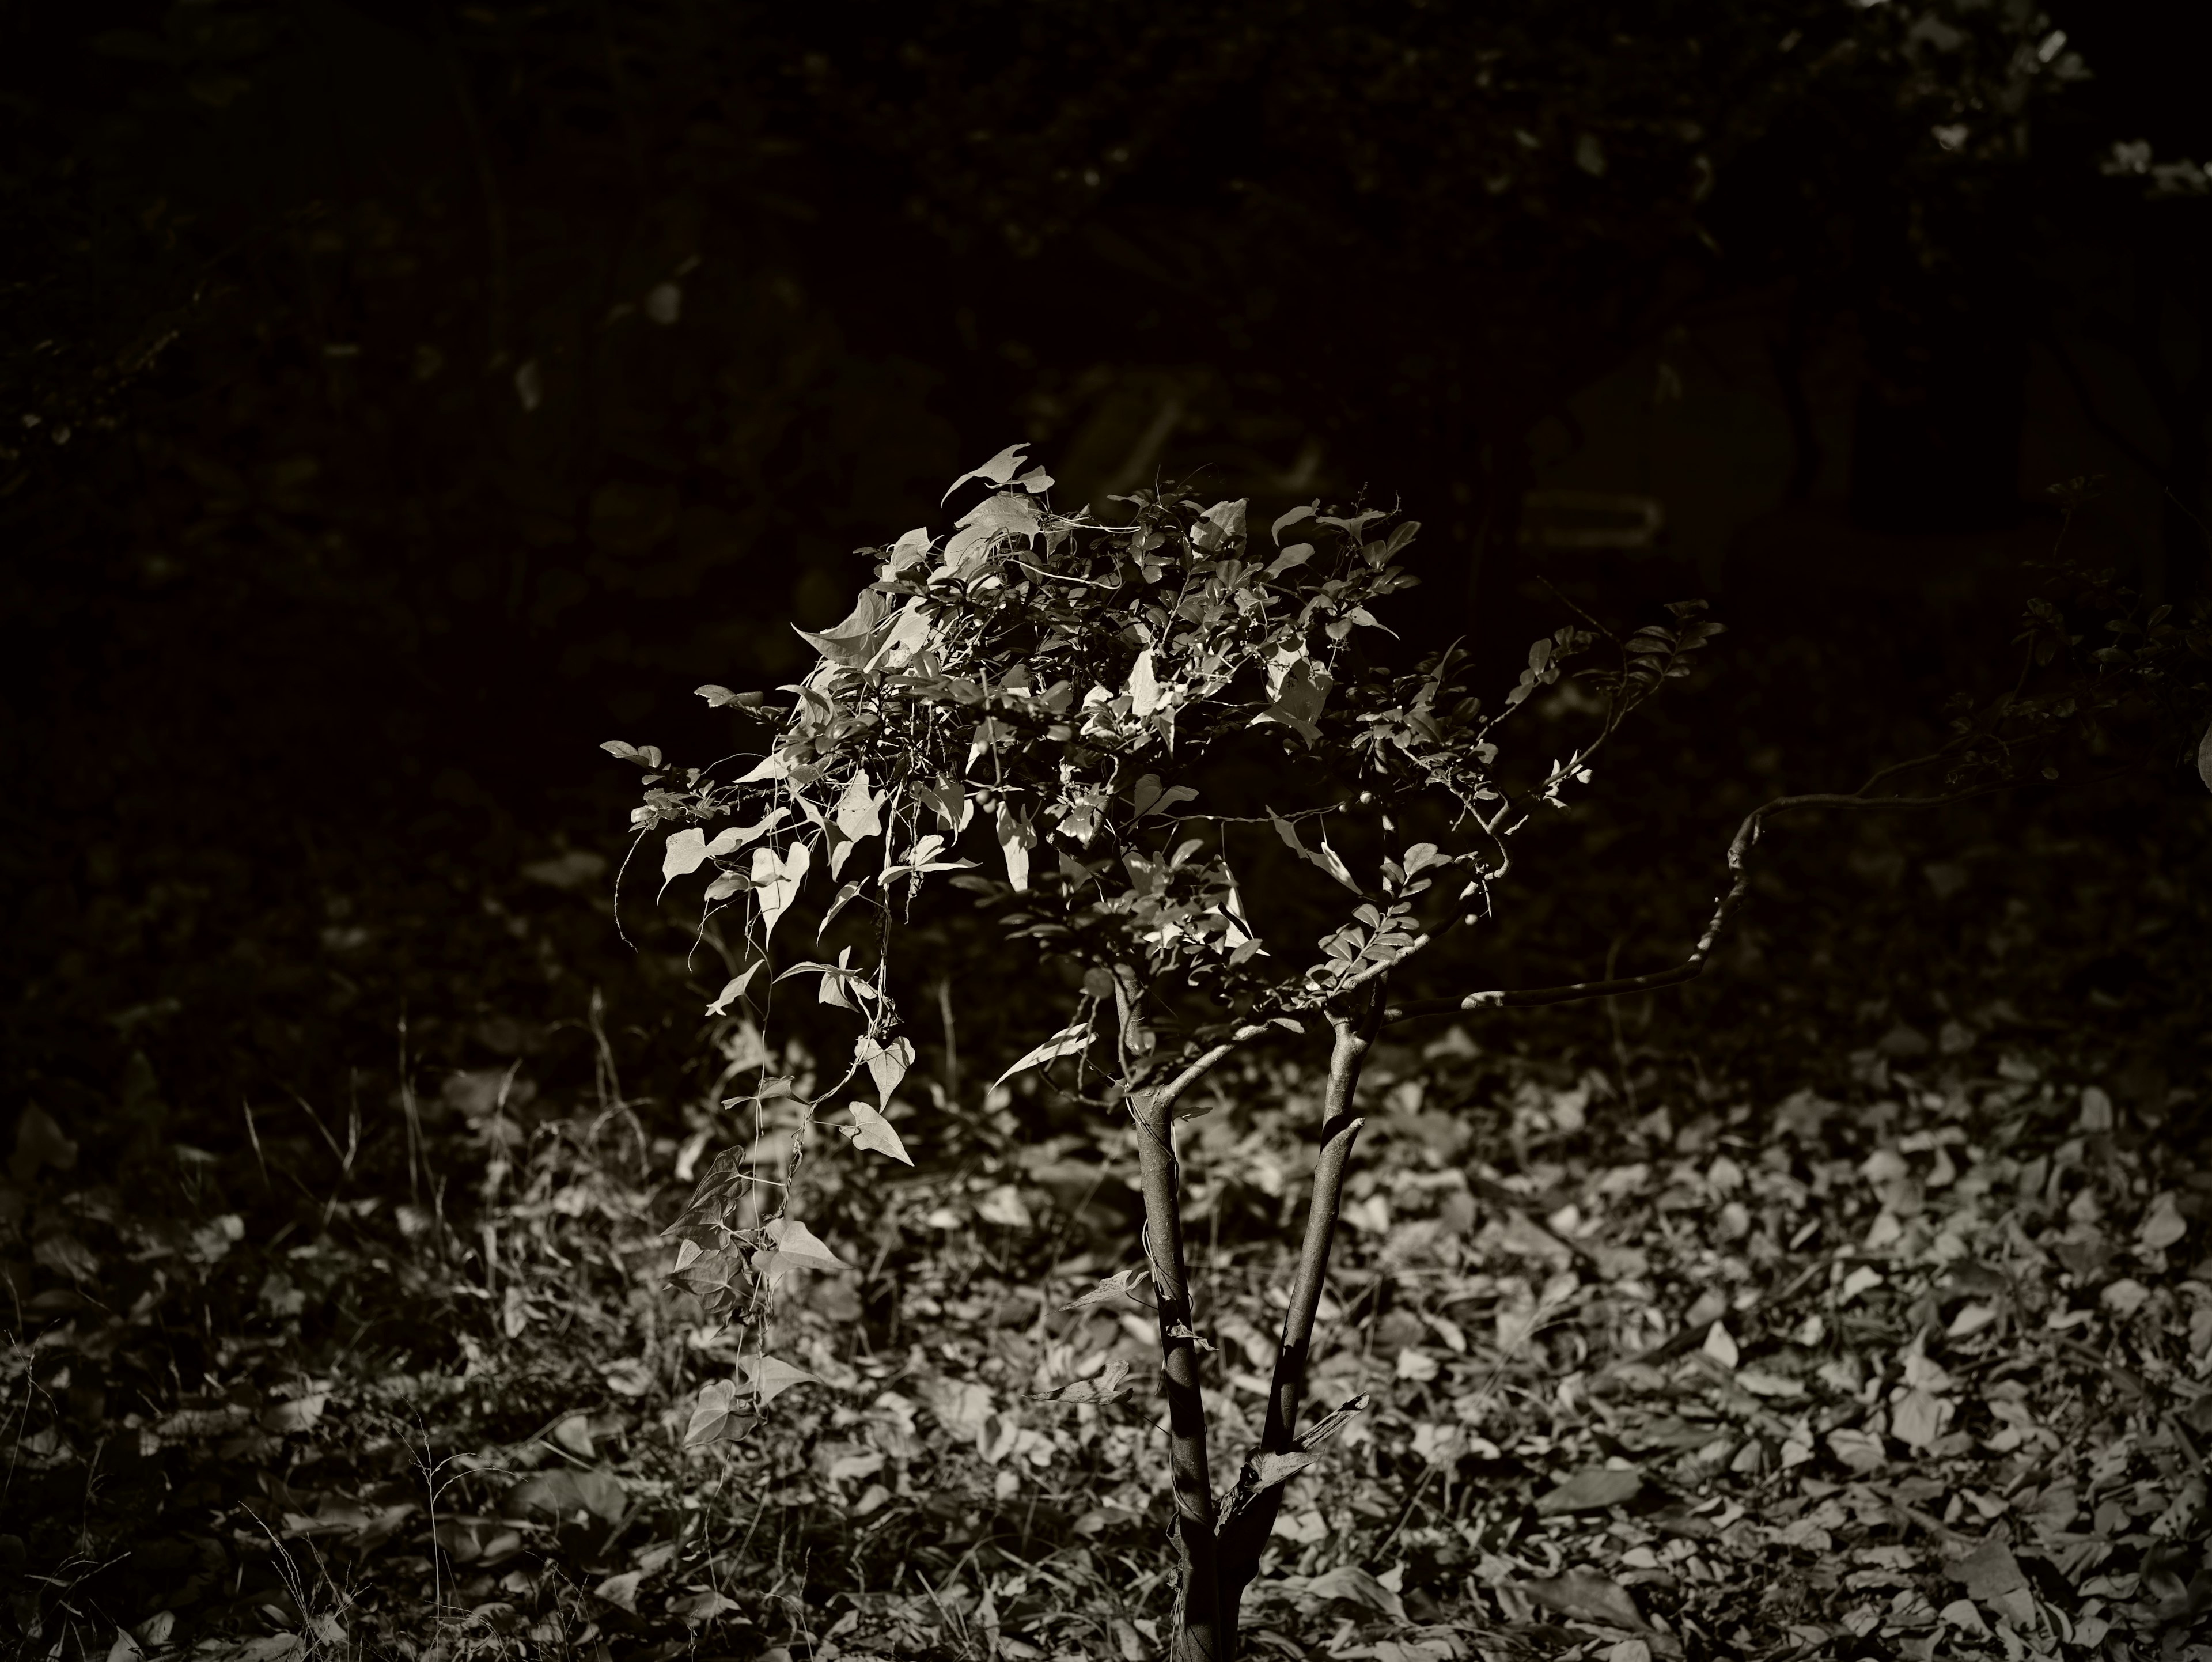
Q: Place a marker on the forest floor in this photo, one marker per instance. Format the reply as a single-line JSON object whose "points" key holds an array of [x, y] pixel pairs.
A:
{"points": [[1898, 1343]]}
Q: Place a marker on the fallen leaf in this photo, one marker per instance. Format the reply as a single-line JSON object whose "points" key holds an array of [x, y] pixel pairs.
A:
{"points": [[1355, 1586], [1960, 1613], [1988, 1570], [2124, 1297], [1970, 1319], [1860, 1450], [1586, 1596], [1917, 1419], [1591, 1491], [705, 1607], [2163, 1225], [1720, 1345], [621, 1590]]}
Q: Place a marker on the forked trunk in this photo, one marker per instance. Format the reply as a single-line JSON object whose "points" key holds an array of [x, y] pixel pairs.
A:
{"points": [[1218, 1564]]}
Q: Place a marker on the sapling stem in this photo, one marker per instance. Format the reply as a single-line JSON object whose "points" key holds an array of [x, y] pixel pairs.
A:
{"points": [[1247, 1531], [1202, 1637]]}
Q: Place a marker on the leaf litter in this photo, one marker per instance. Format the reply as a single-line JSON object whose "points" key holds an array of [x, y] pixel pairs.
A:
{"points": [[1924, 1365]]}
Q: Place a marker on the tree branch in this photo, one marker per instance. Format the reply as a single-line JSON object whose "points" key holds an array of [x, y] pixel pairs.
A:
{"points": [[1694, 965]]}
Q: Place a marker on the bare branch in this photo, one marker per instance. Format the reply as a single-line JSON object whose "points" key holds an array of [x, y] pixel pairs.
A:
{"points": [[1694, 965]]}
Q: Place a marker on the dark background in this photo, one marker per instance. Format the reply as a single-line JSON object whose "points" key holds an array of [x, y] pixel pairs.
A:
{"points": [[400, 399]]}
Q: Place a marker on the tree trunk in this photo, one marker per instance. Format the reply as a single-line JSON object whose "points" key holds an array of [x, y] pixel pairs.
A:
{"points": [[1203, 1637], [1247, 1534]]}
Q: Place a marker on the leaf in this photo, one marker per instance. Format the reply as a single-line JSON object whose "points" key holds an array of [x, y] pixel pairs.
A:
{"points": [[1263, 1471], [886, 1063], [860, 811], [770, 1377], [1592, 1490], [1015, 840], [846, 892], [2204, 759], [1219, 526], [853, 642], [300, 1414], [1109, 1383], [686, 854], [797, 1248], [1988, 1572], [1000, 470], [1586, 1596], [776, 881], [2163, 1225], [1144, 688], [719, 697], [716, 1417], [1918, 1418], [1332, 1423], [1068, 1042], [1355, 1586], [731, 838], [1858, 1450], [1328, 859], [872, 1131], [1294, 516], [1720, 1345], [1147, 797], [1004, 1205], [705, 1607], [1121, 1284], [1299, 698], [734, 988], [621, 1590]]}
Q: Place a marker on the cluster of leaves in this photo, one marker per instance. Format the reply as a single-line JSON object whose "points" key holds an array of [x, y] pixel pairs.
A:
{"points": [[1051, 681]]}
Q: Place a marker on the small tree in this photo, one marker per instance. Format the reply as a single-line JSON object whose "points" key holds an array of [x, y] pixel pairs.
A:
{"points": [[1070, 692]]}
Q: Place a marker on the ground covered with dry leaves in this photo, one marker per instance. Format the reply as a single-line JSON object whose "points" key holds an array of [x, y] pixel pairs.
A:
{"points": [[1913, 1361]]}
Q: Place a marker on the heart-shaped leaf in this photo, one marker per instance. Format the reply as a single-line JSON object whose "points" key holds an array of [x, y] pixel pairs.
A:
{"points": [[770, 1377], [872, 1131], [797, 1248]]}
